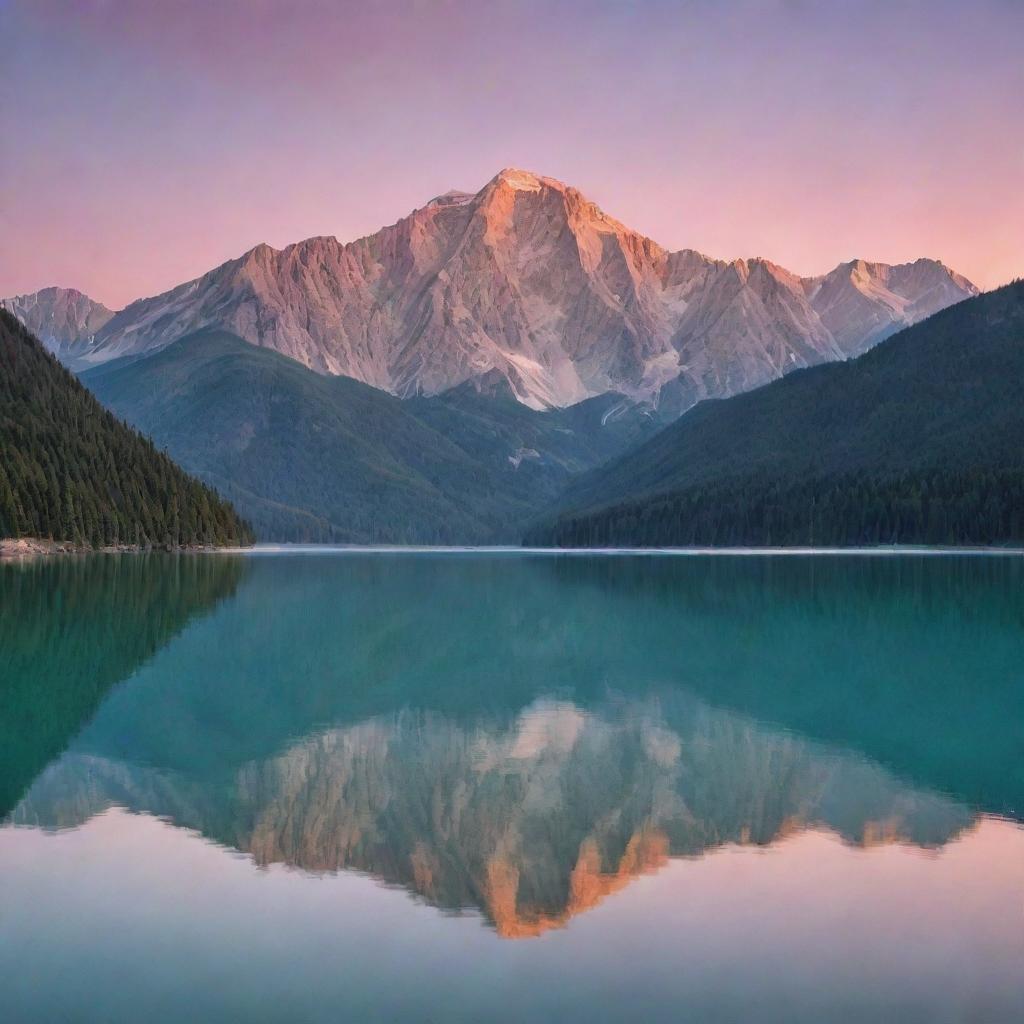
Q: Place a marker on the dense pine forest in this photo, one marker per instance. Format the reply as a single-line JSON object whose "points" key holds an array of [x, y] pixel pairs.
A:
{"points": [[919, 441], [930, 507], [71, 471]]}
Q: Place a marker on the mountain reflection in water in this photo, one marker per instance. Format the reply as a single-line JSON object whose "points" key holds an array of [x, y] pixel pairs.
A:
{"points": [[532, 820], [525, 736]]}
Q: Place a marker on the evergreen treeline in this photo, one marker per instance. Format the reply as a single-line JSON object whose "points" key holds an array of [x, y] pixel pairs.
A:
{"points": [[920, 441], [70, 471], [930, 507]]}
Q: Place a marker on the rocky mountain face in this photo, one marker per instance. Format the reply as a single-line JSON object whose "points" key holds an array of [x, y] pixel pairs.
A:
{"points": [[63, 319], [529, 279]]}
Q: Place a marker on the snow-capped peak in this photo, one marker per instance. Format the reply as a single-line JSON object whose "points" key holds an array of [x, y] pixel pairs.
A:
{"points": [[522, 181]]}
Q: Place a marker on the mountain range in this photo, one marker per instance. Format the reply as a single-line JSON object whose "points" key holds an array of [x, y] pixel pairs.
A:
{"points": [[514, 362], [528, 280]]}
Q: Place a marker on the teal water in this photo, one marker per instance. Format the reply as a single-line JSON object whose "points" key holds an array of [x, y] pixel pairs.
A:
{"points": [[496, 786]]}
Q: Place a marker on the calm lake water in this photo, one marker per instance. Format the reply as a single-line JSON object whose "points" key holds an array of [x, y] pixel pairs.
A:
{"points": [[495, 786]]}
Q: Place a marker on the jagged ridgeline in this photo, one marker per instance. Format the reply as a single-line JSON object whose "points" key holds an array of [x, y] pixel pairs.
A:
{"points": [[920, 441], [70, 629], [71, 471]]}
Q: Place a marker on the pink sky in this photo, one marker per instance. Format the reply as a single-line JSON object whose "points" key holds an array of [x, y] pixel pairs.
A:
{"points": [[145, 143]]}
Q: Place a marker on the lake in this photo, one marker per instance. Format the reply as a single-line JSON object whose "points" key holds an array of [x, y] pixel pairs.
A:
{"points": [[500, 786]]}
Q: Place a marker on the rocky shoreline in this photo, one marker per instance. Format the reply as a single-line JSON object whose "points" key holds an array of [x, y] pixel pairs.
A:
{"points": [[32, 547]]}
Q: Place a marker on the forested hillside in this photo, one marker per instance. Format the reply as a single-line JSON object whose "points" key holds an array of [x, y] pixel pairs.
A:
{"points": [[70, 471], [921, 440]]}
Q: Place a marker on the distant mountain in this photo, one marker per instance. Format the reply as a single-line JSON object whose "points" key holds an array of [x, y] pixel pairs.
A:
{"points": [[921, 440], [863, 303], [63, 319], [318, 458], [70, 471], [530, 280]]}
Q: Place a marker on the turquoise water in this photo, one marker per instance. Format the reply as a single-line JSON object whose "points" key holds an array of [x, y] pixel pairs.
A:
{"points": [[497, 786]]}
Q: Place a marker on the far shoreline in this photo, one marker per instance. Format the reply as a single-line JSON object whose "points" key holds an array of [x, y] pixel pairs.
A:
{"points": [[23, 548]]}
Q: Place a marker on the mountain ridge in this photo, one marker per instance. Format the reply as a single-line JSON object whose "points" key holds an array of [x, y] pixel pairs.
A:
{"points": [[530, 278]]}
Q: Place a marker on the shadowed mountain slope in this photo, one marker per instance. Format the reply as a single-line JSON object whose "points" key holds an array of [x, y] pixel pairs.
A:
{"points": [[319, 458]]}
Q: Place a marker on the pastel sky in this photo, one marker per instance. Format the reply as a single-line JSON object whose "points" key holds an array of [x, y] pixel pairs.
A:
{"points": [[143, 143]]}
